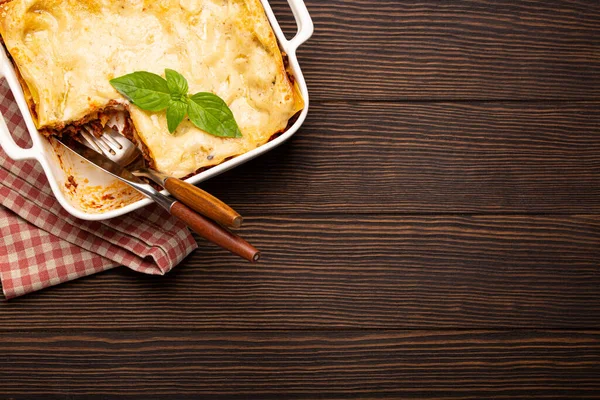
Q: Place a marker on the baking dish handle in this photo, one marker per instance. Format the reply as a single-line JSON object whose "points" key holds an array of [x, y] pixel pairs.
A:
{"points": [[12, 149], [304, 22]]}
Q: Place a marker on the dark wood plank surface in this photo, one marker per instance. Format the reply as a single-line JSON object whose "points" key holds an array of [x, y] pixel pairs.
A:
{"points": [[304, 365], [433, 231], [353, 272], [373, 157], [440, 49]]}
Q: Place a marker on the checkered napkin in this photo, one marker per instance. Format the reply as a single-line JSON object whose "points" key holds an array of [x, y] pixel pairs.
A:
{"points": [[42, 245]]}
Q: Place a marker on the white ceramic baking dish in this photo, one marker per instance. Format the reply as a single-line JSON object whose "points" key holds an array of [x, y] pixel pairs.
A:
{"points": [[59, 164]]}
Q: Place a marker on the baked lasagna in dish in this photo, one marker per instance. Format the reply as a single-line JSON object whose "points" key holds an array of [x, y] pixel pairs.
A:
{"points": [[67, 51]]}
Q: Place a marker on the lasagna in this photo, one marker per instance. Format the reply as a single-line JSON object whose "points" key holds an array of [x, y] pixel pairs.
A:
{"points": [[67, 51]]}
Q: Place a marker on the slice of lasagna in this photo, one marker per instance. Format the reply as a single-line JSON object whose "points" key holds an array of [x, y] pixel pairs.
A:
{"points": [[67, 51]]}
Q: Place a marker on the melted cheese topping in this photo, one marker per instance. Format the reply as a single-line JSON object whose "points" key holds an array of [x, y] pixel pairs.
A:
{"points": [[67, 51]]}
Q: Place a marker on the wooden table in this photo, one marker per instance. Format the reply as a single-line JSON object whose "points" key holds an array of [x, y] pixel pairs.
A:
{"points": [[432, 231]]}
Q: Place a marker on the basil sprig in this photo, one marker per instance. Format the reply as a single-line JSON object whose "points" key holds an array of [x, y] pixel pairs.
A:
{"points": [[152, 92]]}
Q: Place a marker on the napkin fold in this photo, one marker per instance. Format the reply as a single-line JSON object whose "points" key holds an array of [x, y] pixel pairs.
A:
{"points": [[42, 245]]}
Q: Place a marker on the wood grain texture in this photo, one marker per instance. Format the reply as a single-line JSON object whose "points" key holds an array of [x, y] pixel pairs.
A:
{"points": [[352, 272], [302, 365], [434, 49], [428, 157]]}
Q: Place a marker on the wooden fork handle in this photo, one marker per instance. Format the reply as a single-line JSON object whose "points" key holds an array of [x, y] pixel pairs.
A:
{"points": [[214, 232], [203, 202]]}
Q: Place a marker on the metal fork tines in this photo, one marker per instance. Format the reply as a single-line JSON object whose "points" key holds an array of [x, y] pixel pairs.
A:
{"points": [[112, 144], [101, 144]]}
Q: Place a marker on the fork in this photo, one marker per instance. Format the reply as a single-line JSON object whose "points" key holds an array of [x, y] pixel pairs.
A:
{"points": [[124, 152]]}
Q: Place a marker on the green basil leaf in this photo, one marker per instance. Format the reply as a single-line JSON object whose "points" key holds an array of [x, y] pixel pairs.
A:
{"points": [[178, 85], [146, 90], [211, 114], [175, 114], [151, 92]]}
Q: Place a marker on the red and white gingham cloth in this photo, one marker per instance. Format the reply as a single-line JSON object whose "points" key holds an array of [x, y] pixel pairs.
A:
{"points": [[42, 245]]}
